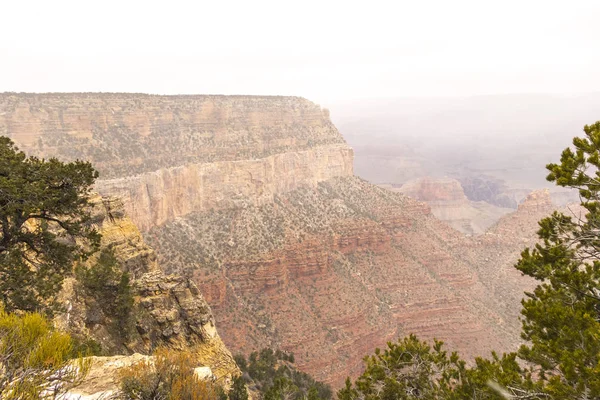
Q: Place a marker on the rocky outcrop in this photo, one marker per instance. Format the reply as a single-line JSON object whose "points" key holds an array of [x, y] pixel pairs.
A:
{"points": [[168, 310], [449, 203], [167, 156], [536, 200], [433, 190], [102, 380]]}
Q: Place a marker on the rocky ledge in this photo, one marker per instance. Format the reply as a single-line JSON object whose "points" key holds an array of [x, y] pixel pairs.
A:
{"points": [[168, 310]]}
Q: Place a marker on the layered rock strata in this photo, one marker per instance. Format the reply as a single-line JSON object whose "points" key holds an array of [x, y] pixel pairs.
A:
{"points": [[449, 203], [331, 272], [167, 156]]}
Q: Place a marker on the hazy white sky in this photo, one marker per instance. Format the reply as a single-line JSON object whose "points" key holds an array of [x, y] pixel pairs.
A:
{"points": [[324, 50]]}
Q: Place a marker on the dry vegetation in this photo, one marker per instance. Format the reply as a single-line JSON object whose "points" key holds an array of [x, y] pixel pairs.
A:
{"points": [[169, 376]]}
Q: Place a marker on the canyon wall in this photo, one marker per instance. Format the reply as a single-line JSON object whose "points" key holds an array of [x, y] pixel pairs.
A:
{"points": [[334, 271], [167, 156], [157, 197], [167, 310]]}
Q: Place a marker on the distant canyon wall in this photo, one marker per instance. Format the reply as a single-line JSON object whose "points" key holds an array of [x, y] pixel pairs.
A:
{"points": [[157, 197], [167, 156]]}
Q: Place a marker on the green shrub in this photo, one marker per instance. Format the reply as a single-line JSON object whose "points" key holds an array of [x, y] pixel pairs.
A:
{"points": [[36, 360], [238, 389], [86, 346], [275, 377], [106, 282]]}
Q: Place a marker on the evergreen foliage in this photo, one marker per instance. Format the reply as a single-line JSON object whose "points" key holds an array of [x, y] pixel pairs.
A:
{"points": [[45, 225], [412, 369], [238, 390], [272, 374], [561, 316], [105, 281]]}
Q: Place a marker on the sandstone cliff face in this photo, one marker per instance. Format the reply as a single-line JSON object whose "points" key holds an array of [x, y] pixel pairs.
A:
{"points": [[435, 190], [167, 156], [157, 197], [168, 309]]}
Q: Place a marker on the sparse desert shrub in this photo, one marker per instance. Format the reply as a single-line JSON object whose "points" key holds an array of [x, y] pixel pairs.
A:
{"points": [[169, 377], [35, 360]]}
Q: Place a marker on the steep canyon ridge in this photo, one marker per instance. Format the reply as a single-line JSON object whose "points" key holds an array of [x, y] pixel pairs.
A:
{"points": [[255, 200], [168, 310]]}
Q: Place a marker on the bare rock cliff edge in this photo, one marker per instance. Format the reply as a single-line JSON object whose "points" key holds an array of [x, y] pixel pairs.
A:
{"points": [[168, 310]]}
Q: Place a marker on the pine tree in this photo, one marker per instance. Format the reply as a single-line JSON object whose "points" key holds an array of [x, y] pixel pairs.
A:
{"points": [[238, 389], [45, 225], [561, 317]]}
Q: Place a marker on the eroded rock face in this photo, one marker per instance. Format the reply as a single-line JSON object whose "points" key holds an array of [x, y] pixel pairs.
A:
{"points": [[332, 272], [491, 190], [539, 199], [160, 196], [449, 203], [167, 156], [433, 190], [168, 310]]}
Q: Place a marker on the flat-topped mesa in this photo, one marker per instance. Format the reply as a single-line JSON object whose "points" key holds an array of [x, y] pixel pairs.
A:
{"points": [[167, 156]]}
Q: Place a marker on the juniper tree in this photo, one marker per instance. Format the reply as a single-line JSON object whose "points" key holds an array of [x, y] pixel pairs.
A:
{"points": [[44, 225], [413, 369]]}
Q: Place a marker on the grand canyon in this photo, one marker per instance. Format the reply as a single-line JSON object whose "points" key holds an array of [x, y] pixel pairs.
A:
{"points": [[309, 200], [253, 199]]}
